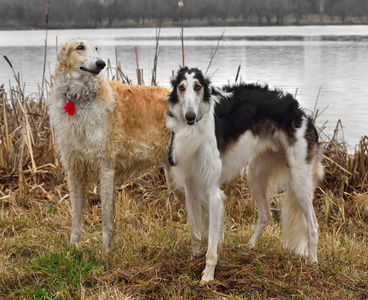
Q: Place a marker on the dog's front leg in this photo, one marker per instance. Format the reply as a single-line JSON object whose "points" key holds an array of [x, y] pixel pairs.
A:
{"points": [[107, 181], [215, 231], [193, 209], [178, 193], [77, 189]]}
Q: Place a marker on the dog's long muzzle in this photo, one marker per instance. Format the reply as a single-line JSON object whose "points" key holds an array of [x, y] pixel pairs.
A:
{"points": [[190, 118], [99, 66]]}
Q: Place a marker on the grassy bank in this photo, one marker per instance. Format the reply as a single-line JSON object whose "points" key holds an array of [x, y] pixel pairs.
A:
{"points": [[151, 251]]}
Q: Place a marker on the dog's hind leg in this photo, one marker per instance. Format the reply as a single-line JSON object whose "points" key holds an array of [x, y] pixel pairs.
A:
{"points": [[193, 206], [298, 219], [260, 169], [107, 181], [77, 188], [307, 227], [216, 211]]}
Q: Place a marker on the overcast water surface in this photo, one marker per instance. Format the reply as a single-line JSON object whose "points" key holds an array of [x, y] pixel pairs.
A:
{"points": [[331, 61]]}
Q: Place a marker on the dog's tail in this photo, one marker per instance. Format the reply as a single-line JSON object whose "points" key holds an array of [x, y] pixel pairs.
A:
{"points": [[293, 222], [294, 225]]}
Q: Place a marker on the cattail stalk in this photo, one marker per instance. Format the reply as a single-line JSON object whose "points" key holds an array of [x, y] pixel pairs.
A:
{"points": [[45, 54], [182, 30], [155, 61]]}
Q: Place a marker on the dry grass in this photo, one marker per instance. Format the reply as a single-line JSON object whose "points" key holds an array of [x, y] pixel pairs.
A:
{"points": [[151, 252]]}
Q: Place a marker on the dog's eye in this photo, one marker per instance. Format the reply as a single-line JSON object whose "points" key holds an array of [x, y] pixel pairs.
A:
{"points": [[181, 88], [80, 47], [96, 48], [197, 87]]}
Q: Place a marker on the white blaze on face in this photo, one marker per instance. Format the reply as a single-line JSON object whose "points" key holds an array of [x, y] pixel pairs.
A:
{"points": [[91, 55], [190, 94]]}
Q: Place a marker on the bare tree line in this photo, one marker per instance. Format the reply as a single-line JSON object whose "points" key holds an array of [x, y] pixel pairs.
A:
{"points": [[115, 13]]}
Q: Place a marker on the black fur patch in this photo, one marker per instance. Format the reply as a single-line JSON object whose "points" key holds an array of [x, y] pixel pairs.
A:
{"points": [[256, 108], [170, 154]]}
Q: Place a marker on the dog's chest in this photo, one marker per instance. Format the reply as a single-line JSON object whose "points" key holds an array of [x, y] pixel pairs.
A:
{"points": [[86, 131], [196, 155]]}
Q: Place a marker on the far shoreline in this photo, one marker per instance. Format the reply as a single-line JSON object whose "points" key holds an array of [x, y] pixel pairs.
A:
{"points": [[312, 20]]}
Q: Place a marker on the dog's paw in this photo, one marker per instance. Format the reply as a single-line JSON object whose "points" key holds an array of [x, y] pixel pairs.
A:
{"points": [[195, 249], [106, 248], [312, 259], [194, 256], [208, 275], [249, 245], [74, 238]]}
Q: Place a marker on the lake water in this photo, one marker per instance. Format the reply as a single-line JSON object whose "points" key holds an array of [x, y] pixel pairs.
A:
{"points": [[306, 59]]}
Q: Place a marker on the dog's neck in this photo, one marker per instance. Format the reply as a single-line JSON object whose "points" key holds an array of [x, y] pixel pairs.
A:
{"points": [[81, 91]]}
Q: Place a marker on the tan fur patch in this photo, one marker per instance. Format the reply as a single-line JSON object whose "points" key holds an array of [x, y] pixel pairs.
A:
{"points": [[142, 107]]}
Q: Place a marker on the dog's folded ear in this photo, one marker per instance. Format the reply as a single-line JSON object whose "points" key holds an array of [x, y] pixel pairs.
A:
{"points": [[62, 64], [207, 79], [174, 76], [173, 80], [62, 52]]}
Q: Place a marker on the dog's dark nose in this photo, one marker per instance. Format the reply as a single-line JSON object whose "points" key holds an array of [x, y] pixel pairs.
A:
{"points": [[190, 118], [100, 64]]}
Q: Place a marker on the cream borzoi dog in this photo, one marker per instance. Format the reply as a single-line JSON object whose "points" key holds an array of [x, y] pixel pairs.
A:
{"points": [[216, 132], [104, 129]]}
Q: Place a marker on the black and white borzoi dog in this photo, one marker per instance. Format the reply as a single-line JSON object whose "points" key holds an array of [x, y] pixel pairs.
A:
{"points": [[217, 132]]}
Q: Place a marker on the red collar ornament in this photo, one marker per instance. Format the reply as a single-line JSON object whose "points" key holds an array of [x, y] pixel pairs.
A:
{"points": [[70, 108]]}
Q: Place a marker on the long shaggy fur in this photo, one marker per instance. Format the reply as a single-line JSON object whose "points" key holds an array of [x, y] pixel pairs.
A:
{"points": [[118, 131], [218, 131]]}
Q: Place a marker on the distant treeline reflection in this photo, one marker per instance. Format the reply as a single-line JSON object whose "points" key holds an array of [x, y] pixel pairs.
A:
{"points": [[119, 13]]}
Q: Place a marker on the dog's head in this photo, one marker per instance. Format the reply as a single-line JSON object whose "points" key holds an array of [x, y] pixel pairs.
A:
{"points": [[190, 98], [79, 58]]}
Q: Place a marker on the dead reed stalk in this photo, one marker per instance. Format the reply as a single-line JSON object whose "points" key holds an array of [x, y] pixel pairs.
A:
{"points": [[155, 60], [213, 53], [139, 71], [45, 52], [182, 31]]}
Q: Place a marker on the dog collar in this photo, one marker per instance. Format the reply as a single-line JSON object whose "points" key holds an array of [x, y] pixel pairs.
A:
{"points": [[70, 108], [71, 104]]}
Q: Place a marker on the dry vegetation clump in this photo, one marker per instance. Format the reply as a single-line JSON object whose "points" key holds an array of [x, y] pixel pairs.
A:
{"points": [[343, 170], [151, 252]]}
